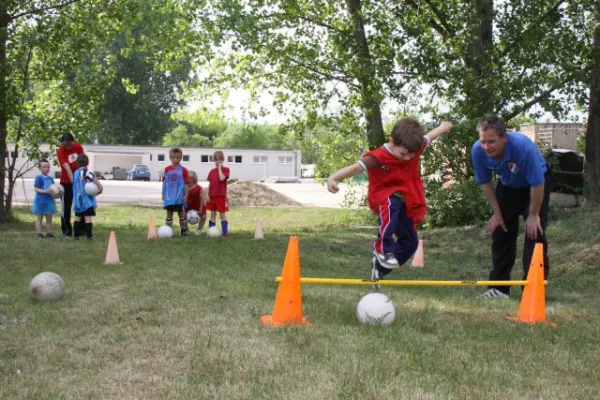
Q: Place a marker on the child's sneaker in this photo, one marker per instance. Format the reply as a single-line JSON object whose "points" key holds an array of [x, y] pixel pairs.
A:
{"points": [[90, 238], [375, 274], [49, 236], [388, 260], [40, 236], [185, 232], [198, 232]]}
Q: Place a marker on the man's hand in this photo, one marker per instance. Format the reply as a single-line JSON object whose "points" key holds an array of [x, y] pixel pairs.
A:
{"points": [[533, 226], [495, 222], [332, 186]]}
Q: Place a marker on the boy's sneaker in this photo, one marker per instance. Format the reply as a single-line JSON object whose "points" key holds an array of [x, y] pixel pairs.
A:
{"points": [[388, 260], [375, 274], [49, 236], [40, 236], [494, 294]]}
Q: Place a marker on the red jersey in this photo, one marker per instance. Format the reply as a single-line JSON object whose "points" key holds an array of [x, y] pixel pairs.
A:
{"points": [[70, 157], [217, 187], [397, 176], [184, 171], [193, 198]]}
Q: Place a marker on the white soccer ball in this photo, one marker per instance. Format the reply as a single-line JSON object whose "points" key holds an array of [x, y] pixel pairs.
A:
{"points": [[375, 309], [47, 286], [165, 231], [213, 231], [193, 217], [91, 189], [55, 190], [61, 188]]}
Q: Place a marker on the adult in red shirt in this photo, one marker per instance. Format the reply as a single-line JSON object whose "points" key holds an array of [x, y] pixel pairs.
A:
{"points": [[67, 155], [217, 193], [395, 192]]}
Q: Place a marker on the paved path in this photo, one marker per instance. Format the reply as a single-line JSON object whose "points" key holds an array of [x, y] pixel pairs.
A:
{"points": [[308, 193]]}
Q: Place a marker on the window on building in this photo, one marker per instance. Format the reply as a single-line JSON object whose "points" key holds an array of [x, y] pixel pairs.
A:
{"points": [[238, 159], [150, 157], [161, 157], [286, 159], [186, 158], [260, 160], [13, 154], [206, 158]]}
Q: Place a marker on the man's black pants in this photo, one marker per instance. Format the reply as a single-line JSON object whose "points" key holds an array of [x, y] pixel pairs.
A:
{"points": [[67, 204], [514, 203]]}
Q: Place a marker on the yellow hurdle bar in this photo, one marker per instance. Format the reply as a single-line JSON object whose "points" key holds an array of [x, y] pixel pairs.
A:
{"points": [[334, 281]]}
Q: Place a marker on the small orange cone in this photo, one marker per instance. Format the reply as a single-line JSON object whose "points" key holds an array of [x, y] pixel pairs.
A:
{"points": [[288, 302], [258, 233], [112, 253], [532, 309], [152, 230], [418, 260]]}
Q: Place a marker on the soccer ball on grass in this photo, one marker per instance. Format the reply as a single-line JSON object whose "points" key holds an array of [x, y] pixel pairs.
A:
{"points": [[213, 231], [375, 309], [165, 231], [47, 286]]}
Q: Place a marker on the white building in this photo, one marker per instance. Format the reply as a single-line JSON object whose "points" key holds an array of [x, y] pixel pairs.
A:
{"points": [[245, 164]]}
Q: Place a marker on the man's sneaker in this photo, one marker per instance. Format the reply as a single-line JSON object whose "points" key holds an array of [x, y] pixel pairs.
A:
{"points": [[49, 236], [388, 260], [375, 275], [494, 294], [40, 236]]}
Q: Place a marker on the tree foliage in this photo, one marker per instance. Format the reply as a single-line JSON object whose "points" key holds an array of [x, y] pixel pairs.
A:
{"points": [[458, 59], [69, 65]]}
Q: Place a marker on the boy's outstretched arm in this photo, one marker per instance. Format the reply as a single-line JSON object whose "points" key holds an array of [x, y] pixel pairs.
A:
{"points": [[444, 127], [346, 172]]}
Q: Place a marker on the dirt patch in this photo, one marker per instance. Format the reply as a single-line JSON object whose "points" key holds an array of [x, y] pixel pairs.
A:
{"points": [[252, 194]]}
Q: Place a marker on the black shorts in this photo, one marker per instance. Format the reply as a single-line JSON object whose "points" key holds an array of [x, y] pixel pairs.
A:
{"points": [[90, 212], [174, 207]]}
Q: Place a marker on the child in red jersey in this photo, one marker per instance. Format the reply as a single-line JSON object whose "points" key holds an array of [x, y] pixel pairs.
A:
{"points": [[395, 193], [195, 201], [217, 193]]}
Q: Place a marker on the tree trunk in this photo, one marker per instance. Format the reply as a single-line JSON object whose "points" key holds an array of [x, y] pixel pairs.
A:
{"points": [[4, 19], [370, 87], [592, 137], [478, 58]]}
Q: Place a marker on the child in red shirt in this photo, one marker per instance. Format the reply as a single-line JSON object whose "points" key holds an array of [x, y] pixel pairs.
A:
{"points": [[217, 193], [395, 193], [195, 201]]}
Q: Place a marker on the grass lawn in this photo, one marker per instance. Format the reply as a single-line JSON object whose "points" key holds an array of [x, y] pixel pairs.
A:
{"points": [[179, 318]]}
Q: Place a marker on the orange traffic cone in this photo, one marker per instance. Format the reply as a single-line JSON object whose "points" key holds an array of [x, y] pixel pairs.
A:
{"points": [[532, 309], [112, 253], [288, 303], [258, 233], [152, 230], [418, 260]]}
